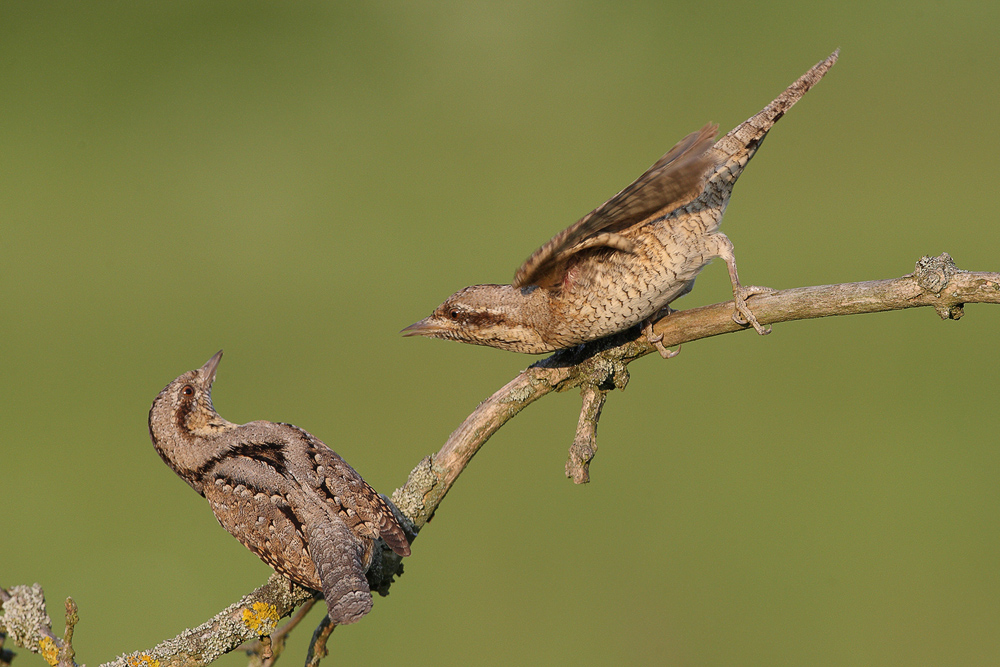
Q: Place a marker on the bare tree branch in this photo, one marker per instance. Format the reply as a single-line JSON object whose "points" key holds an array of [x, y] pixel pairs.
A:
{"points": [[596, 368], [253, 616], [601, 365], [317, 646], [28, 624]]}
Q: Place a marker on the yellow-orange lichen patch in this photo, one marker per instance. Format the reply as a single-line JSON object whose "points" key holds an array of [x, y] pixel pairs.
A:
{"points": [[142, 660], [261, 617], [49, 650]]}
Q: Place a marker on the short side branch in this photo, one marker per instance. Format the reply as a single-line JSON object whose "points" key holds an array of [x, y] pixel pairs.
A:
{"points": [[584, 447]]}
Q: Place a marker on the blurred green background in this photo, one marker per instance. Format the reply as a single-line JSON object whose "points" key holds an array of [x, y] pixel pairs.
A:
{"points": [[296, 182]]}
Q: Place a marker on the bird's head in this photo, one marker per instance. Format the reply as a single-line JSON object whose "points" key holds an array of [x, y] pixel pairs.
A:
{"points": [[501, 316], [184, 407]]}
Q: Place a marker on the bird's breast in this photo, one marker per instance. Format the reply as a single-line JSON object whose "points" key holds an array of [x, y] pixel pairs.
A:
{"points": [[608, 292]]}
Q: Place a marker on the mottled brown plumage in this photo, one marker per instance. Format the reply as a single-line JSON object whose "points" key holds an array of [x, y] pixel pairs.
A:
{"points": [[627, 260], [279, 490]]}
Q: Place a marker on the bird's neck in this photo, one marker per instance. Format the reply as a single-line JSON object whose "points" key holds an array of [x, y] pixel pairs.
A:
{"points": [[190, 451], [530, 308]]}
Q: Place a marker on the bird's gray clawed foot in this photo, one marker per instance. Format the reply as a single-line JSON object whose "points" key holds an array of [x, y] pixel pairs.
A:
{"points": [[654, 340], [742, 314]]}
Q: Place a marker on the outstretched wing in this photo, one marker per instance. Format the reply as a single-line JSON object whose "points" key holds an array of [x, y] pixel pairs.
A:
{"points": [[676, 179]]}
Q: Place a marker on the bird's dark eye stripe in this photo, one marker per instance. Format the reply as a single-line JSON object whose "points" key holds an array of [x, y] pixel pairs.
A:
{"points": [[484, 318]]}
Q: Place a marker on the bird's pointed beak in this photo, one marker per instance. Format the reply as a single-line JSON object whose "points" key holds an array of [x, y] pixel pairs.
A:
{"points": [[209, 368], [425, 327]]}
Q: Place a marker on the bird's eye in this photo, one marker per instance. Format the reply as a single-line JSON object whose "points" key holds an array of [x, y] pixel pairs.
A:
{"points": [[188, 390], [453, 313]]}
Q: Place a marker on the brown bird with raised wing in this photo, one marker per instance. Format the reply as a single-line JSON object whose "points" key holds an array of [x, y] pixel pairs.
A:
{"points": [[624, 262]]}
